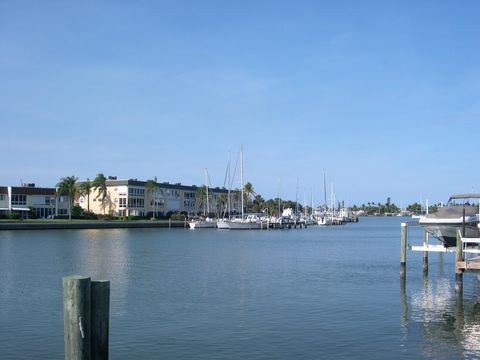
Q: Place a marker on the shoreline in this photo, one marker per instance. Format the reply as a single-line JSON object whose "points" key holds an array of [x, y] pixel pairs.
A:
{"points": [[85, 224]]}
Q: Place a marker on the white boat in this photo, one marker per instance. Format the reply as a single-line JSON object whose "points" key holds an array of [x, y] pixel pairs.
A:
{"points": [[444, 223], [324, 221], [223, 224], [202, 223], [250, 222]]}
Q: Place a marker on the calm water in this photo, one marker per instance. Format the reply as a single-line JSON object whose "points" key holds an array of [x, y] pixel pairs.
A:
{"points": [[182, 294]]}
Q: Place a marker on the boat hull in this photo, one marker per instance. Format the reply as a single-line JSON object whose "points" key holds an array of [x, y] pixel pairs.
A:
{"points": [[241, 225], [447, 233], [201, 224], [222, 225]]}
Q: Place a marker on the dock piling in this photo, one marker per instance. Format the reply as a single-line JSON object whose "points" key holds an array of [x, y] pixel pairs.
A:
{"points": [[425, 253], [86, 306], [100, 311], [403, 251], [77, 317], [458, 260]]}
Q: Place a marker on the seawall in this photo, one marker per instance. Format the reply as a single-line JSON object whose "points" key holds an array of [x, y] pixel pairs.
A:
{"points": [[20, 225]]}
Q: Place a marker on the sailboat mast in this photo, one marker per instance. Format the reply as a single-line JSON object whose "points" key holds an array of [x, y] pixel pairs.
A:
{"points": [[229, 203], [296, 199], [206, 186], [241, 173], [325, 190]]}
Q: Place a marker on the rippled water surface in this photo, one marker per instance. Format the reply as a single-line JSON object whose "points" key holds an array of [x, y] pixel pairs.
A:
{"points": [[205, 294]]}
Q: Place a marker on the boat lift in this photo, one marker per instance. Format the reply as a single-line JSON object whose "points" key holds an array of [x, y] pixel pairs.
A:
{"points": [[467, 253]]}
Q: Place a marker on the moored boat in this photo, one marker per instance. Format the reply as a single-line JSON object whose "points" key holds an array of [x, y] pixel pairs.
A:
{"points": [[444, 223], [202, 223]]}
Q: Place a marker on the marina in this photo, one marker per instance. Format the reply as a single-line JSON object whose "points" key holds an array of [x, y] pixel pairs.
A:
{"points": [[239, 180], [177, 293]]}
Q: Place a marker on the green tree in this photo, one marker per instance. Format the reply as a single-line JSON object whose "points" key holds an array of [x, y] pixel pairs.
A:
{"points": [[258, 203], [66, 186], [249, 193], [85, 189], [151, 189], [236, 196], [100, 185], [200, 196], [222, 203], [414, 208]]}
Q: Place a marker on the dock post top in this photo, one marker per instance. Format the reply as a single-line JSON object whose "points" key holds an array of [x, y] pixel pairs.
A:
{"points": [[75, 277], [404, 224]]}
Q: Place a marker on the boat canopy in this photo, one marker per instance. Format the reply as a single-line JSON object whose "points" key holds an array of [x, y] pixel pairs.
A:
{"points": [[464, 196]]}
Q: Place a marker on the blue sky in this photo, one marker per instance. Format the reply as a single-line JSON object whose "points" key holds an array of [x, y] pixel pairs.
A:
{"points": [[382, 95]]}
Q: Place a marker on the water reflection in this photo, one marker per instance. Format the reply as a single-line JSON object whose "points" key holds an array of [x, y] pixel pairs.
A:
{"points": [[106, 257], [448, 321]]}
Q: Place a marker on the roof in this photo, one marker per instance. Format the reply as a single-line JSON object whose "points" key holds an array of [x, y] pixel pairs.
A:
{"points": [[22, 190], [164, 185], [465, 196]]}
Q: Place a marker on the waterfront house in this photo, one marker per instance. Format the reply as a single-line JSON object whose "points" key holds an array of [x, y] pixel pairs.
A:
{"points": [[43, 202]]}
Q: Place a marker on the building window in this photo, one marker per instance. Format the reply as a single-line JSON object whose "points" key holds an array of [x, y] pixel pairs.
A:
{"points": [[19, 199], [2, 197], [136, 203], [136, 192]]}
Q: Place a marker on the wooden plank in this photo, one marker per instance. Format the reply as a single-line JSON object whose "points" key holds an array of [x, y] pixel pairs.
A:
{"points": [[432, 248], [469, 265]]}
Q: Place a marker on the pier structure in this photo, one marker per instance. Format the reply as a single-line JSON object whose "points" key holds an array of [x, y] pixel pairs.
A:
{"points": [[467, 254]]}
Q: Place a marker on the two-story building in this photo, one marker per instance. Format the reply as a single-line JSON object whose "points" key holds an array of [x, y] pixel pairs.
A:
{"points": [[132, 198], [22, 199]]}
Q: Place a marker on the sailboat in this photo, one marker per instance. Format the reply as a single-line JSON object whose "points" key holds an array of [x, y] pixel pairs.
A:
{"points": [[324, 220], [222, 223], [249, 222], [205, 222]]}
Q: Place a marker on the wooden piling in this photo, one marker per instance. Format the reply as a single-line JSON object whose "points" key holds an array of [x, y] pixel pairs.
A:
{"points": [[458, 260], [425, 253], [77, 317], [403, 250], [100, 302]]}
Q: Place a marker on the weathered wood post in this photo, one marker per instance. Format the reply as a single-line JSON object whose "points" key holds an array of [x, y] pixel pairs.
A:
{"points": [[77, 317], [86, 307], [403, 250], [425, 253], [458, 260], [403, 300], [100, 311], [169, 223]]}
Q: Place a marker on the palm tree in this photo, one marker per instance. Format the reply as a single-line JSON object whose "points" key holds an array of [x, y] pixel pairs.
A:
{"points": [[100, 185], [85, 190], [222, 202], [66, 186], [249, 192], [151, 189], [237, 196], [200, 194], [258, 203]]}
